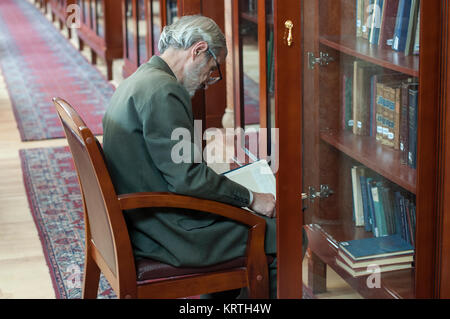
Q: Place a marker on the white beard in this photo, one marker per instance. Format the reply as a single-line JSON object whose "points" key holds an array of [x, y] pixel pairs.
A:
{"points": [[191, 78]]}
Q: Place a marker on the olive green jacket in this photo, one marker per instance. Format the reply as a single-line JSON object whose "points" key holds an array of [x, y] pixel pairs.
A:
{"points": [[143, 112]]}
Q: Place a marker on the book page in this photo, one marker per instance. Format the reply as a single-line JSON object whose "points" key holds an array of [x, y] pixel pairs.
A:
{"points": [[257, 177]]}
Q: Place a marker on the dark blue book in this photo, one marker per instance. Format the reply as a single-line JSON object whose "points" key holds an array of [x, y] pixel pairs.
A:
{"points": [[413, 114], [398, 215], [365, 201], [376, 247], [401, 25], [376, 22], [373, 225]]}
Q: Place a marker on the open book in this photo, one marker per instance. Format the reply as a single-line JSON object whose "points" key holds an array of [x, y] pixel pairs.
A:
{"points": [[257, 177]]}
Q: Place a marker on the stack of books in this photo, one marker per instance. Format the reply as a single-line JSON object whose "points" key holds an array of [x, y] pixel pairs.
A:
{"points": [[366, 256], [383, 105], [391, 24]]}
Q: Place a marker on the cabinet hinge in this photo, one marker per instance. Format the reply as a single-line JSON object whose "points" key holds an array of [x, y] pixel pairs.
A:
{"points": [[322, 60]]}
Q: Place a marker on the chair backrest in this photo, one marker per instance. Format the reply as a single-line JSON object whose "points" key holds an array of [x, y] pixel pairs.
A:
{"points": [[105, 224]]}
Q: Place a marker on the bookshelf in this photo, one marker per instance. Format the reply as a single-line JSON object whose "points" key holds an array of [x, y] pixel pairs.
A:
{"points": [[101, 30], [341, 93]]}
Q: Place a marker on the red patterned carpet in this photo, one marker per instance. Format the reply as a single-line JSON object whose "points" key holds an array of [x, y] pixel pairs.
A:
{"points": [[38, 63], [54, 197]]}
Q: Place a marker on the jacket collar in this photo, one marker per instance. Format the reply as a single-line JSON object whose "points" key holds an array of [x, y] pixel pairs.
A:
{"points": [[157, 62]]}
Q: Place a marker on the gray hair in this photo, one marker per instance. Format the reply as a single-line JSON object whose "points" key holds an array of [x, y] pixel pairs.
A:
{"points": [[189, 30]]}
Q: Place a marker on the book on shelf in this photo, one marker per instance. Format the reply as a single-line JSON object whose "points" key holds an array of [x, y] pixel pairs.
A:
{"points": [[372, 268], [362, 93], [390, 24], [376, 247], [416, 47], [377, 14], [388, 19], [404, 119], [347, 98], [413, 116], [412, 25], [388, 260], [401, 26], [358, 209]]}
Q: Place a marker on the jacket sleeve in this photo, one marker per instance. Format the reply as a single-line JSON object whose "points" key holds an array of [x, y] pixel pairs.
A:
{"points": [[170, 110]]}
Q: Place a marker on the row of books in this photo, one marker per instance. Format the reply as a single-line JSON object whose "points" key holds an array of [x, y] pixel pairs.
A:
{"points": [[361, 257], [390, 24], [382, 104], [380, 207]]}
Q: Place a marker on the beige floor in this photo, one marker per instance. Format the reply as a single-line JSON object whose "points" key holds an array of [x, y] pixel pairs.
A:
{"points": [[23, 270]]}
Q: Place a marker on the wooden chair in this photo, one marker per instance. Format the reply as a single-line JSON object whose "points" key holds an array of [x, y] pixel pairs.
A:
{"points": [[108, 248]]}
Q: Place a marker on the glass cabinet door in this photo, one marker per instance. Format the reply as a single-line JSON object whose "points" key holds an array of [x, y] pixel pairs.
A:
{"points": [[359, 130]]}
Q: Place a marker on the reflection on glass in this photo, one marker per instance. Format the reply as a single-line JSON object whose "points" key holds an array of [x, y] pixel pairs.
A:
{"points": [[130, 30], [172, 11], [100, 18], [142, 31], [355, 117], [248, 32], [156, 24]]}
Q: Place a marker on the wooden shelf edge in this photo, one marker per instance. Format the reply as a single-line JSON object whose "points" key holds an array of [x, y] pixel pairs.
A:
{"points": [[379, 158], [392, 286], [386, 58]]}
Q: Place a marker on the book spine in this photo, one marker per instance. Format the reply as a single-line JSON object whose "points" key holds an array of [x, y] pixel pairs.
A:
{"points": [[416, 48], [367, 21], [365, 202], [401, 29], [357, 92], [397, 118], [379, 115], [388, 116], [388, 23], [377, 14], [413, 113], [372, 222], [410, 37], [404, 123], [379, 213]]}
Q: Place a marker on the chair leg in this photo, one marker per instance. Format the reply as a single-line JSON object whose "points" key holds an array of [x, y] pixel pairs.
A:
{"points": [[109, 69], [91, 278]]}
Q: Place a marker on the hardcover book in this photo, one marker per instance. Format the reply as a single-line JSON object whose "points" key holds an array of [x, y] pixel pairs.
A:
{"points": [[412, 26], [369, 270], [376, 247], [388, 23], [401, 26]]}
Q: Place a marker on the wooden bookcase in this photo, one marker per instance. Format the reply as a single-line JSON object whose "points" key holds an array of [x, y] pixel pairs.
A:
{"points": [[101, 30], [59, 12], [314, 149], [330, 151], [143, 21]]}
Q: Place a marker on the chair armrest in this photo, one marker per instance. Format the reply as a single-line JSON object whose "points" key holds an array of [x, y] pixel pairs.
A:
{"points": [[159, 199]]}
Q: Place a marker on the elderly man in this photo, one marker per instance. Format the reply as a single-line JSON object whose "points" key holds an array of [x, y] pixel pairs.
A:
{"points": [[144, 111]]}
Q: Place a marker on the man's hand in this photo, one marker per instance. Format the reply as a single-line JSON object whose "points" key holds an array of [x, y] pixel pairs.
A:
{"points": [[263, 204]]}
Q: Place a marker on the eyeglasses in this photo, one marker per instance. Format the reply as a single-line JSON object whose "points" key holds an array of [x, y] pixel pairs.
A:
{"points": [[214, 79]]}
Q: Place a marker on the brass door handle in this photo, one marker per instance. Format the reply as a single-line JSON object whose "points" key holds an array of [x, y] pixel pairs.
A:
{"points": [[289, 25]]}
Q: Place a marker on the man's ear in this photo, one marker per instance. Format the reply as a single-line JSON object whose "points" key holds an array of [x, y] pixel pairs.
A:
{"points": [[198, 48]]}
